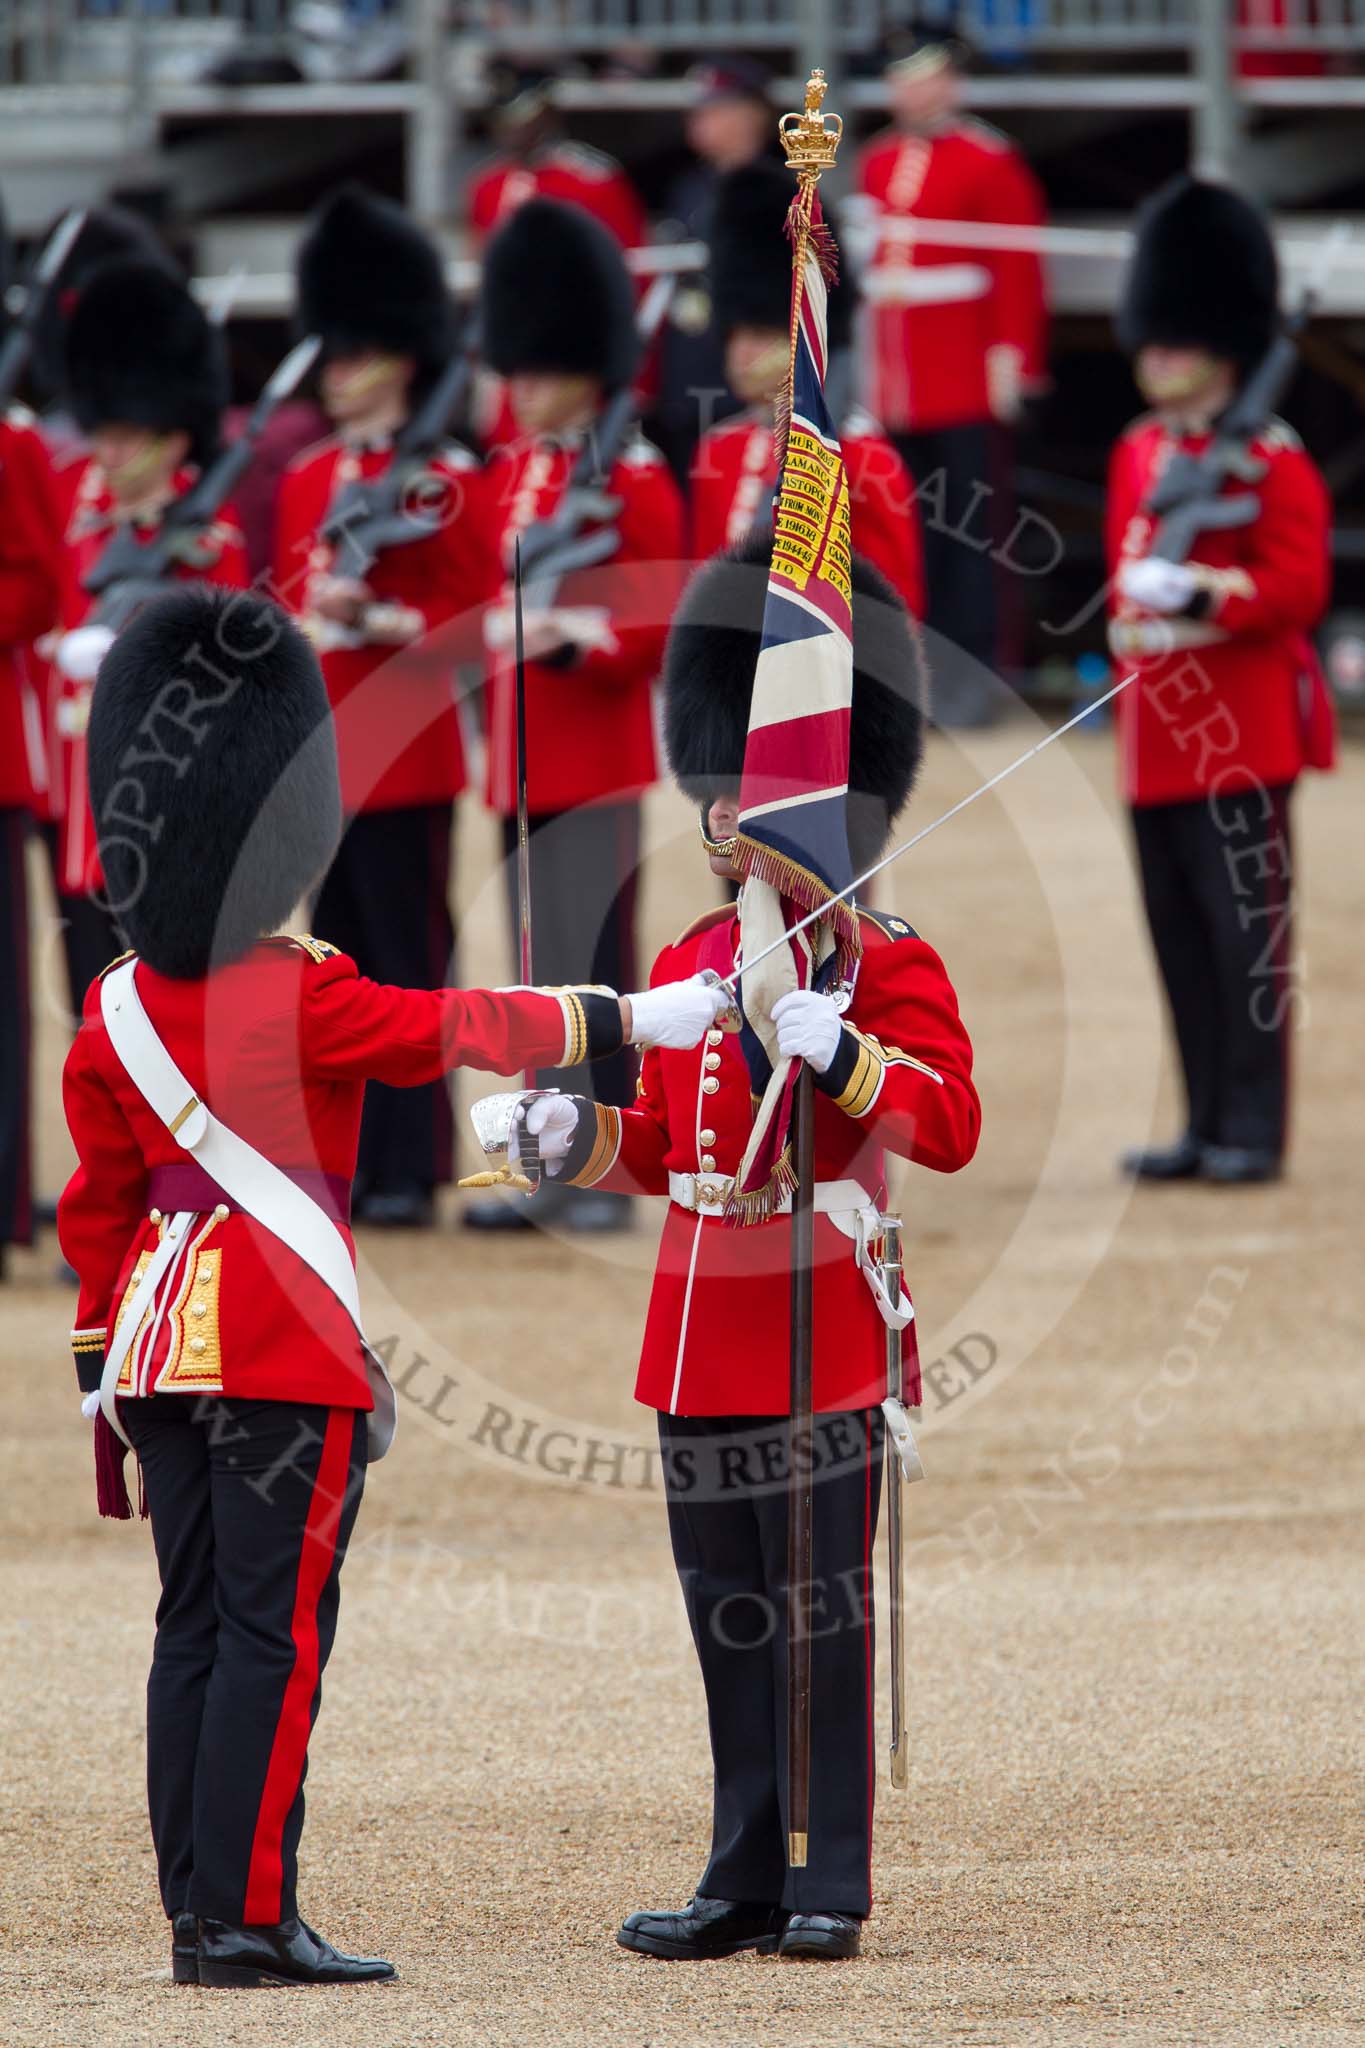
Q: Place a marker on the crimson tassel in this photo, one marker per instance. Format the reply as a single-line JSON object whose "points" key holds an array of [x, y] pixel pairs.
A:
{"points": [[111, 1487]]}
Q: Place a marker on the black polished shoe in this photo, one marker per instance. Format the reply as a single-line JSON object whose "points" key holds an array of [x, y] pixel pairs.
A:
{"points": [[1180, 1161], [409, 1207], [594, 1211], [706, 1929], [184, 1948], [246, 1958], [834, 1936], [1238, 1165]]}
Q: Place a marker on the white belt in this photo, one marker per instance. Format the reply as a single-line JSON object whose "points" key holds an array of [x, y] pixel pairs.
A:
{"points": [[847, 1204], [928, 284]]}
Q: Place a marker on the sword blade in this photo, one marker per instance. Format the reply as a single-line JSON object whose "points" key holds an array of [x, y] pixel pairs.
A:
{"points": [[732, 981], [523, 809]]}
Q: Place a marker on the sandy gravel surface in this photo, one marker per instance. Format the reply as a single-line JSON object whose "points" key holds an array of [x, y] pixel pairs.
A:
{"points": [[1136, 1811]]}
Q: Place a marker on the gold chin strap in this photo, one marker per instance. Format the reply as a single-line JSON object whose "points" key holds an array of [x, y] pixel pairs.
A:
{"points": [[723, 848]]}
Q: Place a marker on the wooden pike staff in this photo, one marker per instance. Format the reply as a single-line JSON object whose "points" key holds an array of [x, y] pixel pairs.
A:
{"points": [[810, 140]]}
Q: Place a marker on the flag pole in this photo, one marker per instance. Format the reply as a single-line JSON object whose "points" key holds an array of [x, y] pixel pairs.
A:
{"points": [[809, 140]]}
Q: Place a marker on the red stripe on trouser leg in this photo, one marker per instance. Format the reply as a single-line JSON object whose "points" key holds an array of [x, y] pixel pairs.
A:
{"points": [[284, 1773], [870, 1660]]}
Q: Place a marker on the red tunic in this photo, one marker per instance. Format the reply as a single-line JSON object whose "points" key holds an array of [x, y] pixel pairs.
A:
{"points": [[568, 171], [280, 1046], [29, 545], [716, 1335], [398, 738], [935, 311], [589, 724], [1229, 706], [91, 525], [733, 475]]}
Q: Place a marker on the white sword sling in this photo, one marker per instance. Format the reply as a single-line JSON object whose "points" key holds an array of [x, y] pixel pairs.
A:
{"points": [[252, 1182]]}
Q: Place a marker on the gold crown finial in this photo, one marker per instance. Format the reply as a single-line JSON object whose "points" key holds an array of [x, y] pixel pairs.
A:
{"points": [[811, 138]]}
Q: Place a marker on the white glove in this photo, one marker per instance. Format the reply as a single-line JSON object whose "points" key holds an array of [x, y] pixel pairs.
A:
{"points": [[80, 652], [90, 1406], [1158, 586], [553, 1119], [677, 1015], [1004, 381], [808, 1028]]}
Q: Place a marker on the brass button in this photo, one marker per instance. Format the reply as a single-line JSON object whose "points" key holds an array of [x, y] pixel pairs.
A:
{"points": [[711, 1062], [707, 1137], [221, 1213], [710, 1085], [199, 1308], [155, 1216], [708, 1164], [198, 1344], [714, 1037], [708, 1194]]}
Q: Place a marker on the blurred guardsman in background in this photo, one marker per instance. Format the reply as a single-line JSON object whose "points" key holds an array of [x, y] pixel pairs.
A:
{"points": [[28, 606], [214, 1098], [146, 382], [1231, 704], [558, 324], [955, 338], [892, 1072], [536, 160], [729, 125], [734, 470], [371, 284]]}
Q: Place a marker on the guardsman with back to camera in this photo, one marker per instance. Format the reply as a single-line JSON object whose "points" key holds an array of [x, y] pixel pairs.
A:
{"points": [[558, 324], [536, 160], [1230, 705], [146, 381], [371, 285], [892, 1074], [955, 338], [214, 1094], [734, 470]]}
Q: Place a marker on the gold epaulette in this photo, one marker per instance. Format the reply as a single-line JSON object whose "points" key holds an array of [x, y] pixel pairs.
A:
{"points": [[708, 918], [316, 949], [889, 927]]}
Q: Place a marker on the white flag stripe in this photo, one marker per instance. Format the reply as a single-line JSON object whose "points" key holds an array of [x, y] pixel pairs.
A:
{"points": [[791, 803], [801, 680]]}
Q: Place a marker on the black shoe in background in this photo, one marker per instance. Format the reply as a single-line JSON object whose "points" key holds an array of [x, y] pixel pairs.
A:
{"points": [[246, 1958], [1180, 1161], [407, 1206], [184, 1948], [704, 1930], [594, 1211], [1239, 1165], [833, 1937]]}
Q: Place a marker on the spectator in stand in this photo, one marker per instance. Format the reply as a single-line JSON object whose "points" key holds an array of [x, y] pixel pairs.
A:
{"points": [[730, 125], [536, 160], [955, 340]]}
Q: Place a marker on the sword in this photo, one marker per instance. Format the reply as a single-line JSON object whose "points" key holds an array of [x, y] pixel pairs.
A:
{"points": [[902, 1466]]}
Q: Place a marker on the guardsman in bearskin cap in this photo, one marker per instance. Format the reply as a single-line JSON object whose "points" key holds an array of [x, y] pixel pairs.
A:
{"points": [[371, 284], [214, 1097], [28, 605], [735, 467], [956, 337], [892, 1073], [1230, 705], [558, 324], [146, 381]]}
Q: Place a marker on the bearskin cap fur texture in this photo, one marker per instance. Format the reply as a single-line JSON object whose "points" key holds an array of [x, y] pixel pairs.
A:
{"points": [[213, 776], [751, 257], [708, 680], [557, 296], [369, 278], [1203, 274], [140, 350], [106, 232]]}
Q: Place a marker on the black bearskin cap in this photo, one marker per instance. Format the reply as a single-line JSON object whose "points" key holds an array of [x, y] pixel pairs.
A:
{"points": [[369, 278], [106, 232], [140, 349], [708, 679], [751, 258], [557, 296], [1203, 274], [213, 776]]}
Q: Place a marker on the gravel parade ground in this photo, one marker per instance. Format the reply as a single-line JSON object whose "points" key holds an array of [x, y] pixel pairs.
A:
{"points": [[1135, 1574]]}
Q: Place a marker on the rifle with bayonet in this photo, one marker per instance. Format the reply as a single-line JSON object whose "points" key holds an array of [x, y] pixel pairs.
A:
{"points": [[17, 346], [367, 517], [129, 571]]}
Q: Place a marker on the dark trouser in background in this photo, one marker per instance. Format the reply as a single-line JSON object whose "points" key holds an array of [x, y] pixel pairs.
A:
{"points": [[728, 1522], [1217, 880], [90, 938], [252, 1506], [16, 1025], [584, 874], [951, 469], [386, 902]]}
